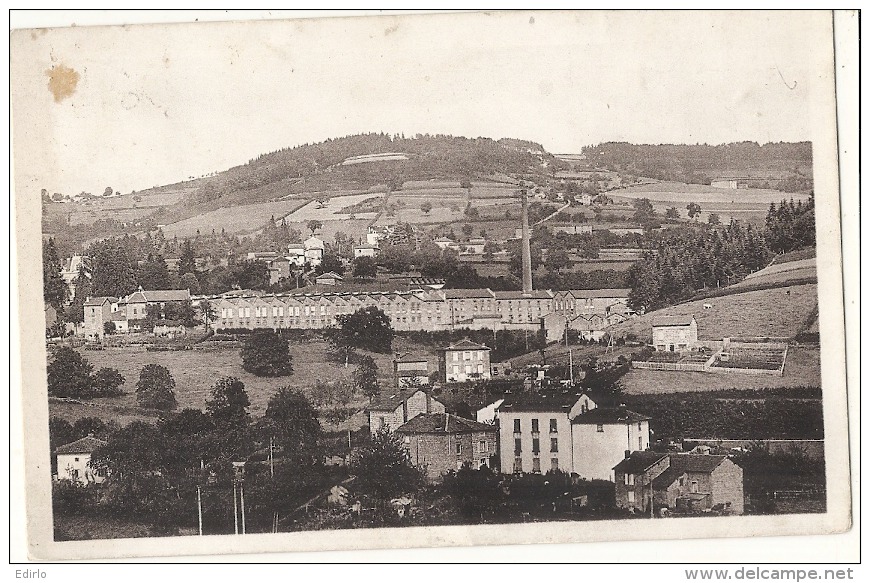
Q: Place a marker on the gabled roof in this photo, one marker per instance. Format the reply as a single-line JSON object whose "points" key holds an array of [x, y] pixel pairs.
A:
{"points": [[443, 423], [460, 294], [83, 445], [100, 300], [159, 295], [390, 401], [638, 462], [466, 344], [609, 415], [329, 275], [681, 463], [600, 293], [663, 321]]}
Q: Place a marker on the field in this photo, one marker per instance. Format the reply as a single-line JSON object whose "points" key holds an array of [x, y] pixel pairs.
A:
{"points": [[802, 368], [235, 219], [122, 208], [195, 372], [750, 204], [760, 313]]}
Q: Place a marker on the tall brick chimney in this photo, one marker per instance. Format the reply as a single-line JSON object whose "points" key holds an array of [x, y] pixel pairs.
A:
{"points": [[526, 248]]}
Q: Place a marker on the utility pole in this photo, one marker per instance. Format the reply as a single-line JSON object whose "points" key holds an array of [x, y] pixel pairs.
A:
{"points": [[199, 508], [235, 509], [571, 365], [242, 493], [271, 459]]}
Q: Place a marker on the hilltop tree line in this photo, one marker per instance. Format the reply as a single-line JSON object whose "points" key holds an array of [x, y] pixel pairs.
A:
{"points": [[791, 225], [699, 163], [429, 156]]}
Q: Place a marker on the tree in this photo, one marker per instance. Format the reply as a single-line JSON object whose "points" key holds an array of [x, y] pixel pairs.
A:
{"points": [[313, 225], [113, 270], [187, 260], [694, 209], [109, 328], [426, 207], [107, 382], [384, 471], [266, 354], [55, 290], [714, 219], [643, 210], [108, 191], [156, 388], [69, 374], [365, 377], [189, 282], [294, 421], [471, 212], [557, 259], [467, 230], [229, 402], [365, 267], [368, 328], [476, 492], [331, 262], [672, 213]]}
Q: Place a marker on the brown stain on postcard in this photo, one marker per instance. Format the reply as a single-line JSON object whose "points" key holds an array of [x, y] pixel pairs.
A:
{"points": [[62, 81]]}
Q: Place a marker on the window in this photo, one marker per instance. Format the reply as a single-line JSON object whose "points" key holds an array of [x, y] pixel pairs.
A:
{"points": [[600, 428], [639, 425], [631, 496], [536, 446], [455, 370], [516, 425], [458, 448], [480, 355], [554, 445], [481, 447], [479, 369], [455, 356], [518, 465], [407, 439], [535, 426], [466, 355], [518, 446], [694, 486], [682, 481], [629, 479], [468, 369], [482, 464], [554, 464], [77, 459], [553, 425], [536, 465], [640, 443]]}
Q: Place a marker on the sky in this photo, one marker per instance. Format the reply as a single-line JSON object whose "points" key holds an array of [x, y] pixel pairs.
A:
{"points": [[156, 104]]}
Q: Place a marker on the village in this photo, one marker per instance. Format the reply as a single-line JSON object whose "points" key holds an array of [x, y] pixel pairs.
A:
{"points": [[445, 388]]}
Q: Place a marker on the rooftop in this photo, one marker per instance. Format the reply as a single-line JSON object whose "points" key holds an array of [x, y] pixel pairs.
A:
{"points": [[389, 401], [543, 401], [159, 295], [610, 415], [459, 294], [638, 462], [100, 300], [84, 445], [521, 295], [663, 321], [466, 344], [600, 293], [443, 423], [680, 463]]}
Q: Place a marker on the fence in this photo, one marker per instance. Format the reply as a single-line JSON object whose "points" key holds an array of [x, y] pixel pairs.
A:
{"points": [[684, 366]]}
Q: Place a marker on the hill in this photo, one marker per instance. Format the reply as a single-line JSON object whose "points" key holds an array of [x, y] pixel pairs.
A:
{"points": [[784, 166]]}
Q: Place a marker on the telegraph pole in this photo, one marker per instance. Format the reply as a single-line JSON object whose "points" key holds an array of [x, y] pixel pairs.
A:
{"points": [[242, 493], [235, 509]]}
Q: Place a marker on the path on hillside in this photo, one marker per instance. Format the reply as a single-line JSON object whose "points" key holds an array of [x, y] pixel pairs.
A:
{"points": [[547, 218]]}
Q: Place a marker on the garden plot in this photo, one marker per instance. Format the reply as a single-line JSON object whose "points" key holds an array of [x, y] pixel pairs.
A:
{"points": [[331, 209]]}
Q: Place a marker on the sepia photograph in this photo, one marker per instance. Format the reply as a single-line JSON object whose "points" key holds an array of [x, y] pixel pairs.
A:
{"points": [[424, 280]]}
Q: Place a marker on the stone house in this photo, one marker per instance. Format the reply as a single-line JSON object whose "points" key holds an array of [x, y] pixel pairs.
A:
{"points": [[685, 482], [74, 461], [464, 361], [673, 334], [441, 442], [390, 411]]}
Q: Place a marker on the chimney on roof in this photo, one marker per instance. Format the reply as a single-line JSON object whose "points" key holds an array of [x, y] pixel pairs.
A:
{"points": [[627, 453]]}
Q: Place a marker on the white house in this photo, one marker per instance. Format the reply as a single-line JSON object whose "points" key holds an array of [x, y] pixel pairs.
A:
{"points": [[464, 361], [601, 437], [74, 461], [296, 254], [674, 333], [314, 251], [365, 250]]}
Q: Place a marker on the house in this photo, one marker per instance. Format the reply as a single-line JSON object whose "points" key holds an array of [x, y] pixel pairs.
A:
{"points": [[314, 248], [74, 459], [583, 199], [473, 246], [588, 301], [279, 268], [411, 371], [603, 435], [70, 272], [365, 250], [685, 482], [724, 183], [572, 229], [328, 278], [674, 333], [489, 412], [119, 318], [440, 442], [535, 430], [464, 361], [589, 327], [137, 303], [568, 431], [98, 311], [296, 254], [390, 411]]}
